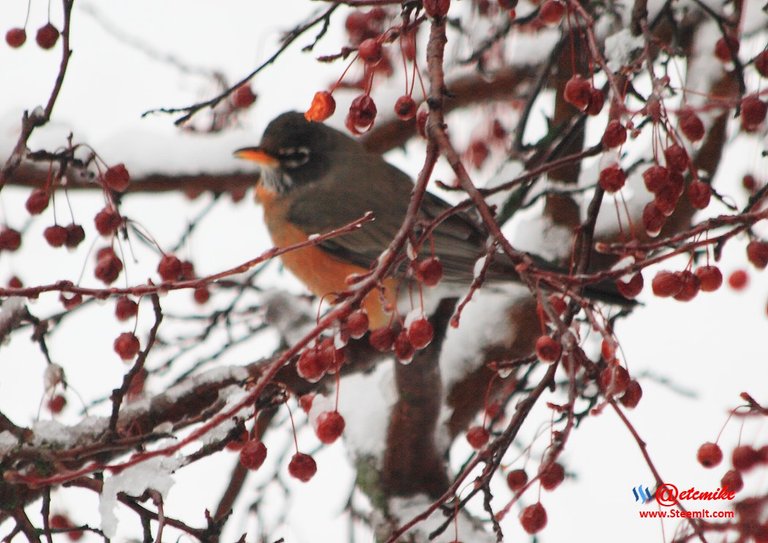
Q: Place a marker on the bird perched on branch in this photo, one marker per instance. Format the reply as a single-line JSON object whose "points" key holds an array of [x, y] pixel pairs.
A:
{"points": [[315, 179]]}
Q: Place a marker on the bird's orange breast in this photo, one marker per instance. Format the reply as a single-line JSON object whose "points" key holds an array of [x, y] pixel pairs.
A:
{"points": [[323, 274]]}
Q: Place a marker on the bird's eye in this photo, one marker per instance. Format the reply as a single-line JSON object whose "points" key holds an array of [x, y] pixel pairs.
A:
{"points": [[293, 157]]}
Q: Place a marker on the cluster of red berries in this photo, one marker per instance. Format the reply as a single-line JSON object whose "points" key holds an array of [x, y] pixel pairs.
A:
{"points": [[46, 37], [580, 93], [60, 521], [254, 452], [685, 285], [743, 459], [323, 357], [417, 335]]}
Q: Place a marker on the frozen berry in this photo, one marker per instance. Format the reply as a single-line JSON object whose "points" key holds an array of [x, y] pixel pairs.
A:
{"points": [[329, 426], [117, 177], [302, 466], [169, 268], [404, 350], [420, 333], [108, 267], [37, 201], [370, 51], [732, 481], [477, 436], [253, 454], [699, 194], [614, 380], [357, 323], [533, 518], [552, 475], [47, 36], [405, 108], [744, 457], [361, 115], [127, 345], [757, 253], [107, 221], [429, 271], [577, 92], [761, 63], [753, 112], [243, 97], [548, 349], [517, 479], [305, 402], [710, 278], [75, 235], [322, 107], [709, 455], [676, 158], [16, 37], [56, 403], [632, 395], [691, 285], [125, 308], [738, 279], [612, 178], [201, 295], [551, 12], [666, 284], [631, 287], [655, 178], [10, 239], [382, 339], [690, 124], [726, 48], [615, 134], [310, 366]]}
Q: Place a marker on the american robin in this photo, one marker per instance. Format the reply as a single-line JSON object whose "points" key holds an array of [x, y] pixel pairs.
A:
{"points": [[315, 178]]}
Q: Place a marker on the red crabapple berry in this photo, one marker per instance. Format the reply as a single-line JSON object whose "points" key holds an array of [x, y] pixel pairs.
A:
{"points": [[709, 455], [430, 271], [757, 253], [726, 48], [690, 124], [16, 37], [436, 8], [552, 475], [577, 92], [551, 12], [37, 201], [631, 288], [243, 97], [56, 404], [420, 333], [732, 481], [405, 108], [666, 284], [656, 177], [615, 134], [691, 285], [253, 454], [404, 350], [75, 235], [201, 295], [632, 395], [361, 115], [330, 357], [10, 239], [676, 158], [169, 268], [15, 282], [382, 339], [127, 345], [653, 219], [761, 63], [533, 518], [699, 194], [47, 36], [55, 235], [108, 266], [753, 112], [614, 380], [744, 457], [710, 277], [329, 426], [357, 323], [117, 177], [125, 308], [596, 102], [309, 366], [302, 467], [478, 437], [517, 479], [547, 349], [738, 279], [305, 402], [612, 178], [107, 221], [322, 107], [370, 51]]}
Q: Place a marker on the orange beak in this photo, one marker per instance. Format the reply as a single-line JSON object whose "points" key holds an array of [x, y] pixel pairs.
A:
{"points": [[257, 155]]}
